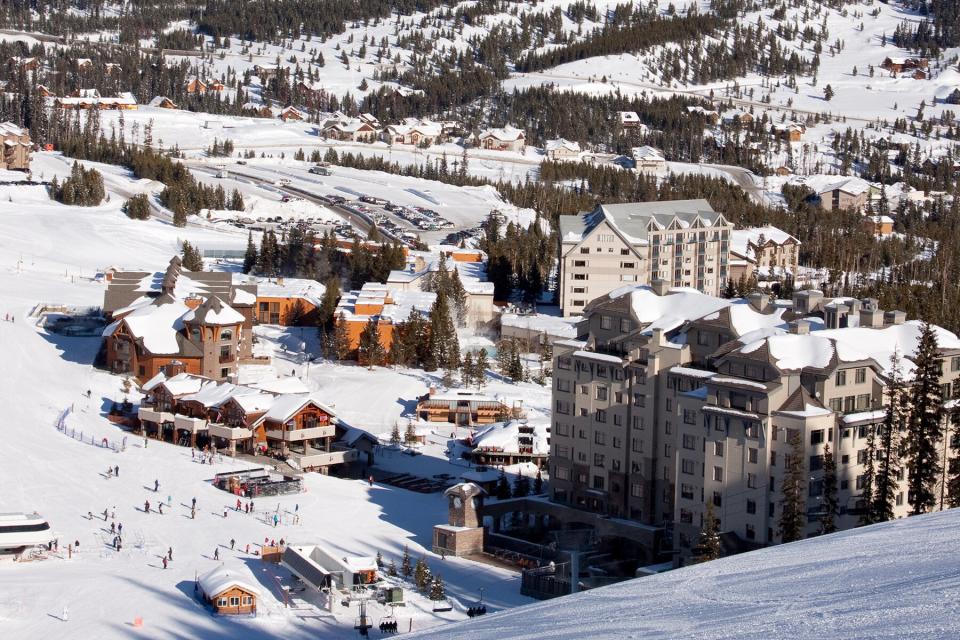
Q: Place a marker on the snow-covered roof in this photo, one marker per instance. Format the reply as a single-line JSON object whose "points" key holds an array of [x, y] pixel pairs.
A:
{"points": [[218, 580], [629, 116], [551, 325], [401, 305], [562, 144], [288, 384], [505, 134], [287, 406], [742, 241], [159, 100], [10, 129], [634, 220], [503, 436], [254, 402], [647, 154], [157, 325], [309, 290], [214, 311]]}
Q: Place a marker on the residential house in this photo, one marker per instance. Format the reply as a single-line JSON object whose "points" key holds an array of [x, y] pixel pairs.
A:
{"points": [[899, 64], [227, 592], [195, 85], [163, 102], [350, 130], [629, 120], [503, 139], [266, 72], [84, 64], [847, 193], [45, 92], [561, 149], [878, 225], [16, 147], [414, 132], [649, 160], [26, 64], [790, 131], [767, 252], [685, 242], [678, 399], [712, 116], [287, 301], [292, 113]]}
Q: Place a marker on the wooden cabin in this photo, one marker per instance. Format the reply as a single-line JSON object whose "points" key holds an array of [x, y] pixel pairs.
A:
{"points": [[227, 593], [465, 408]]}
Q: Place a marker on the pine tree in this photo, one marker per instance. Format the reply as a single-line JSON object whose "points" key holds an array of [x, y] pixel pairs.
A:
{"points": [[192, 261], [828, 93], [708, 544], [467, 369], [341, 339], [521, 486], [392, 569], [436, 589], [410, 435], [421, 574], [250, 257], [370, 350], [379, 560], [328, 305], [794, 513], [137, 207], [887, 456], [502, 490], [924, 427], [538, 484], [831, 504], [482, 366], [953, 481], [395, 435], [443, 344], [868, 481], [405, 567]]}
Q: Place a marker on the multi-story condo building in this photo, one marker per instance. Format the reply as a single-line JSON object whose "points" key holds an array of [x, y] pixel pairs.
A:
{"points": [[684, 242], [678, 398], [767, 252]]}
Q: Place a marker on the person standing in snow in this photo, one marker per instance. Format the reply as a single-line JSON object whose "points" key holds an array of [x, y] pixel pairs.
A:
{"points": [[160, 508], [275, 521], [105, 512], [116, 470], [164, 562], [113, 528], [170, 554], [120, 529], [193, 503], [232, 543], [146, 506], [216, 553], [156, 486], [238, 504]]}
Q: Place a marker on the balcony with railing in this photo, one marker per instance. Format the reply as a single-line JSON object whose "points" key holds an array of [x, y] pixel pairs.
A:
{"points": [[151, 414], [318, 458], [298, 435], [193, 425], [227, 357], [227, 432]]}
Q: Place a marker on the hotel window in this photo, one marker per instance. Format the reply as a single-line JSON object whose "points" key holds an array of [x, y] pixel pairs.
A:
{"points": [[750, 532], [718, 474], [625, 325], [718, 449], [601, 415], [689, 441], [637, 445], [840, 378], [624, 252], [751, 481], [628, 265], [598, 459], [638, 423], [689, 416], [617, 420], [816, 436], [584, 249], [580, 276], [601, 393], [598, 483], [636, 490], [861, 375], [836, 405], [955, 363], [563, 385], [584, 390], [752, 455], [579, 303], [686, 491], [863, 401], [563, 473], [599, 438], [606, 322], [687, 466], [639, 400], [849, 404], [751, 507], [579, 289]]}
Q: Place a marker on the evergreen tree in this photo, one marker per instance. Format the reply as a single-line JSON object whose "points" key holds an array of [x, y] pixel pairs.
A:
{"points": [[395, 435], [410, 434], [502, 491], [482, 366], [250, 257], [924, 427], [328, 305], [887, 456], [467, 370], [794, 512], [444, 346], [370, 350], [868, 480], [708, 544], [192, 260], [436, 589], [421, 574], [137, 207], [521, 486], [406, 567], [538, 484], [392, 569], [340, 346], [953, 481], [831, 504]]}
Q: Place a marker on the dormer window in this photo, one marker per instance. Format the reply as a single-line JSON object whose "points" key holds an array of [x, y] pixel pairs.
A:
{"points": [[195, 334], [226, 335]]}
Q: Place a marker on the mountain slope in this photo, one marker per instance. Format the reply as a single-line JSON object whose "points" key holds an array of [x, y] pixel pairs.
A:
{"points": [[894, 580]]}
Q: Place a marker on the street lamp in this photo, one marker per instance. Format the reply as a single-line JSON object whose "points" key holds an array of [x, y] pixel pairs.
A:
{"points": [[481, 595]]}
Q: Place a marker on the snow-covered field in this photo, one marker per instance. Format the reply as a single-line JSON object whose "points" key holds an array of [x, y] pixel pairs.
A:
{"points": [[48, 253], [894, 580]]}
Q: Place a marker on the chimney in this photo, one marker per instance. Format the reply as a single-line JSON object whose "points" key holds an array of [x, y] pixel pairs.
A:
{"points": [[660, 286], [758, 301], [174, 368], [894, 317], [835, 316], [807, 301], [193, 302], [800, 327], [657, 338], [871, 317]]}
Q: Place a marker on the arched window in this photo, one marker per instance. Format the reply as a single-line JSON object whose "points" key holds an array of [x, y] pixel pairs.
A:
{"points": [[195, 334], [226, 335]]}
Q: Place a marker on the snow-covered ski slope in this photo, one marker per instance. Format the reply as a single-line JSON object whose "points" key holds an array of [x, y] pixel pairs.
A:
{"points": [[899, 579]]}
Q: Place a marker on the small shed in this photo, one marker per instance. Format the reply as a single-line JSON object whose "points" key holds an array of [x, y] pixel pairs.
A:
{"points": [[228, 593]]}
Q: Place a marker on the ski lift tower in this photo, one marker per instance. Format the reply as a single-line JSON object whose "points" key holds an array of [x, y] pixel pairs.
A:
{"points": [[363, 624]]}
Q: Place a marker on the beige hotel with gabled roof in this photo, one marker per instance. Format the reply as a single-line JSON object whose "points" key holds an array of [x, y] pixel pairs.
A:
{"points": [[684, 242]]}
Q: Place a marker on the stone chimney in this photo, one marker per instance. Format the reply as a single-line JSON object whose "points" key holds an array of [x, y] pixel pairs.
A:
{"points": [[800, 327], [758, 301], [660, 286], [174, 368], [807, 301], [193, 302]]}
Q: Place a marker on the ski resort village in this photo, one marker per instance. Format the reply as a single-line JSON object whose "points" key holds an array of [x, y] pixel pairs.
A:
{"points": [[480, 319]]}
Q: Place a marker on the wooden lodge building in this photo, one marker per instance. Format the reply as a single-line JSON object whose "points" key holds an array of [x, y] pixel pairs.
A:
{"points": [[192, 410], [465, 408], [200, 320]]}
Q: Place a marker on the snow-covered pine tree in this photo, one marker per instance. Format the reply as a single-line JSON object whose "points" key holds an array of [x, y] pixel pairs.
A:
{"points": [[887, 455], [831, 504], [395, 435], [192, 261], [467, 369], [437, 592], [340, 342], [370, 351], [708, 544], [250, 257], [421, 574], [392, 569], [868, 480], [482, 366], [924, 427], [794, 512]]}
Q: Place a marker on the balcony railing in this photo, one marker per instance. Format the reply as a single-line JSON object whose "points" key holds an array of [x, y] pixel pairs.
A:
{"points": [[227, 432], [193, 425], [297, 435], [227, 358], [326, 458], [149, 414]]}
